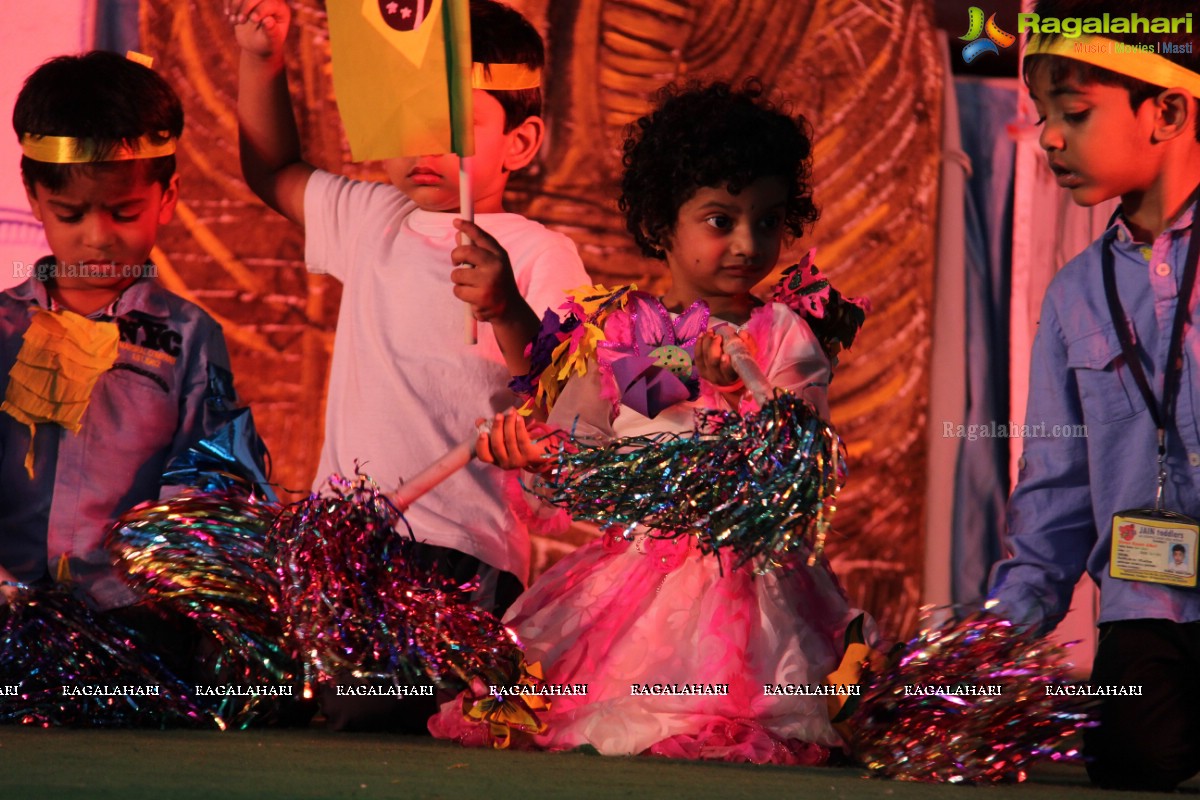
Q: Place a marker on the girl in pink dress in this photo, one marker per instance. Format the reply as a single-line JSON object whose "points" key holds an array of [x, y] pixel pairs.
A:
{"points": [[714, 180]]}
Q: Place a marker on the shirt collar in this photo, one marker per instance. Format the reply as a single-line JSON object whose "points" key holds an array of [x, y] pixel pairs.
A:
{"points": [[144, 295], [1118, 228]]}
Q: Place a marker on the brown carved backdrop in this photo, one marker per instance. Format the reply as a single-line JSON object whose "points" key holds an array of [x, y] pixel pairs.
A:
{"points": [[865, 72]]}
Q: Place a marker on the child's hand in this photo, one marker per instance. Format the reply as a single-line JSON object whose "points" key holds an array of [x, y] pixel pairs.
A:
{"points": [[509, 445], [7, 590], [488, 285], [714, 364], [261, 26]]}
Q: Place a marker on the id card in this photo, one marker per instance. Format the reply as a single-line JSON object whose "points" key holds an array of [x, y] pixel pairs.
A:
{"points": [[1154, 547]]}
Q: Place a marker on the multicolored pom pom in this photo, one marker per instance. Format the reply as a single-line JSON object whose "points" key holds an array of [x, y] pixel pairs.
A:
{"points": [[356, 602], [63, 664], [758, 486], [203, 554], [968, 703]]}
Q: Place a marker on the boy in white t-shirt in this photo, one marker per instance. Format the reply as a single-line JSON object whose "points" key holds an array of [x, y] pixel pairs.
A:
{"points": [[404, 387]]}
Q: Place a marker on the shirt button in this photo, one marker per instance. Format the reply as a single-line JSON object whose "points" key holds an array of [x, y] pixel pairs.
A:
{"points": [[1122, 235], [1194, 459], [1163, 269]]}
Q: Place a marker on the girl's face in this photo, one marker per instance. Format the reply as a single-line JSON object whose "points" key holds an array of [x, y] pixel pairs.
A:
{"points": [[725, 244]]}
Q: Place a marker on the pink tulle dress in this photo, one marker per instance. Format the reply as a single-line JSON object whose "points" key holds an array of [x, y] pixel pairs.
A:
{"points": [[628, 609]]}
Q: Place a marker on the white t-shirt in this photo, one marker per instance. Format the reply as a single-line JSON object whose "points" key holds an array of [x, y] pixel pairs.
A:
{"points": [[404, 387]]}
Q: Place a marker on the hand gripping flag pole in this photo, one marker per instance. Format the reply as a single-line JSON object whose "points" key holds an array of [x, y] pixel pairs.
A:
{"points": [[462, 121]]}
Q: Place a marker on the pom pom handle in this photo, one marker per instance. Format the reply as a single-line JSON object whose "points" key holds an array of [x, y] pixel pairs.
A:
{"points": [[425, 480], [745, 365]]}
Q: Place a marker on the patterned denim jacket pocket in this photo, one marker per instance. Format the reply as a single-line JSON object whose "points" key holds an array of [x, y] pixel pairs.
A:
{"points": [[1106, 393], [139, 403]]}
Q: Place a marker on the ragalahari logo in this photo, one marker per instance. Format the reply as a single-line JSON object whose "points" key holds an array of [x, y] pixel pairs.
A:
{"points": [[976, 28]]}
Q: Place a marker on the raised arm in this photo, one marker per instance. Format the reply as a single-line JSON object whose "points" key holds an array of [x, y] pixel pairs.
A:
{"points": [[269, 142]]}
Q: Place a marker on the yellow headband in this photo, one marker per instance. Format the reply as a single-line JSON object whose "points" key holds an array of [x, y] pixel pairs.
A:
{"points": [[1100, 51], [504, 77], [69, 150], [140, 58]]}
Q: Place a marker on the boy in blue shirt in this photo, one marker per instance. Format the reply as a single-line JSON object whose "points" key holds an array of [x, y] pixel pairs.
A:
{"points": [[80, 445], [1118, 122]]}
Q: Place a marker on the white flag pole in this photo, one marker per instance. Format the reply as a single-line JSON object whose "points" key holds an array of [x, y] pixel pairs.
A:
{"points": [[745, 366], [466, 210]]}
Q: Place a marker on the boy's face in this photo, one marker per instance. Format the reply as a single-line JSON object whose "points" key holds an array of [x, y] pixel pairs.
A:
{"points": [[103, 223], [1097, 146], [432, 181]]}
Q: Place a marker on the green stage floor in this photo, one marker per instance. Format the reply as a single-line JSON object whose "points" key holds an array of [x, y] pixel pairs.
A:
{"points": [[312, 763]]}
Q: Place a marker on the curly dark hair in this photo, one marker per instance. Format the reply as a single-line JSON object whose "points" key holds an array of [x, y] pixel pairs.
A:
{"points": [[711, 135]]}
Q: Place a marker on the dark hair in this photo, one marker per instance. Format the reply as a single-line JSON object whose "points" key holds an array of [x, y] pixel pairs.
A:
{"points": [[1178, 548], [500, 35], [711, 135], [104, 98], [1140, 91]]}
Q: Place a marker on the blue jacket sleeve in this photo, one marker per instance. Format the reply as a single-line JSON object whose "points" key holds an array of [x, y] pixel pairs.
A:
{"points": [[216, 434]]}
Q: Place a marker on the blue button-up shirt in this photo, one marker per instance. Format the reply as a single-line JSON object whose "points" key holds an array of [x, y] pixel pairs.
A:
{"points": [[160, 397], [1102, 456]]}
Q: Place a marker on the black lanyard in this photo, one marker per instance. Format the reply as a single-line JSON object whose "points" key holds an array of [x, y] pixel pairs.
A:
{"points": [[1162, 418]]}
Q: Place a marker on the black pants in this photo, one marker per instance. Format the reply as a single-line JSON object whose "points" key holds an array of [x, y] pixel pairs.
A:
{"points": [[497, 590], [1152, 741]]}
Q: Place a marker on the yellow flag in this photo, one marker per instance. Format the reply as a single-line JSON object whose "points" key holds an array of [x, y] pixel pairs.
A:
{"points": [[402, 74]]}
